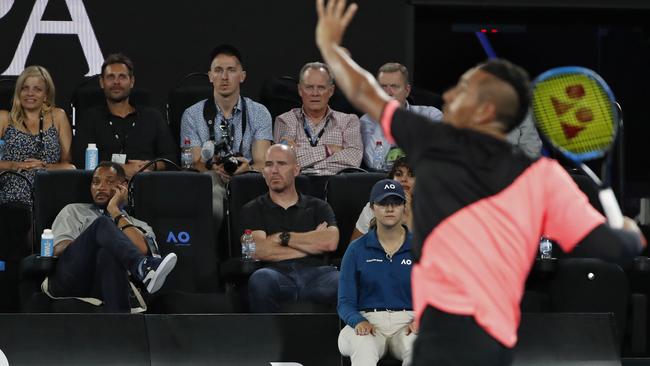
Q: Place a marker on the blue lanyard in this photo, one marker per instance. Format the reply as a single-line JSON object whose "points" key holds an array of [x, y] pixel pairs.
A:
{"points": [[313, 142]]}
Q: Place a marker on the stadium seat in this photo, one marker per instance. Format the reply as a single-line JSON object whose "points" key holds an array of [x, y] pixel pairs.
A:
{"points": [[53, 190], [591, 285], [280, 94], [6, 92], [177, 206], [189, 90], [348, 193], [88, 94], [589, 188], [421, 96]]}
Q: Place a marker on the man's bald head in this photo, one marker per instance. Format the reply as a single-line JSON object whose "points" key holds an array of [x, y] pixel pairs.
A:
{"points": [[280, 169], [287, 150]]}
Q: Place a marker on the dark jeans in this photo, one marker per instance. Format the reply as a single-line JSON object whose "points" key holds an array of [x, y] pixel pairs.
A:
{"points": [[445, 339], [269, 287], [95, 265]]}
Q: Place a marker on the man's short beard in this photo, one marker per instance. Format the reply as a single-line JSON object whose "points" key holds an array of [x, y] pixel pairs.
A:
{"points": [[118, 100]]}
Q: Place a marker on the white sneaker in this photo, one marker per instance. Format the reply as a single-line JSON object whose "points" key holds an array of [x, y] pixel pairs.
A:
{"points": [[155, 271]]}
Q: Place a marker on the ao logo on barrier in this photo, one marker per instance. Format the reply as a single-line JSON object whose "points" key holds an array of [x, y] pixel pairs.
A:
{"points": [[79, 26], [180, 238]]}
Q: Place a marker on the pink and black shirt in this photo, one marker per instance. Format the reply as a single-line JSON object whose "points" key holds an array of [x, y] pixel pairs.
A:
{"points": [[480, 207]]}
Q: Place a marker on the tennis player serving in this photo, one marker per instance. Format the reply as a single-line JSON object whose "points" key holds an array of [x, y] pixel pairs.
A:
{"points": [[480, 206]]}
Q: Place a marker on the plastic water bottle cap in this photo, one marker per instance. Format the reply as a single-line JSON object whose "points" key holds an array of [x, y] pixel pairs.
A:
{"points": [[92, 146], [379, 143], [247, 232], [47, 231]]}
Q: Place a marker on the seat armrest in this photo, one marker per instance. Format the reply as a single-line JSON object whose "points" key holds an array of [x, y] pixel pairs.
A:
{"points": [[641, 264], [37, 267], [234, 269]]}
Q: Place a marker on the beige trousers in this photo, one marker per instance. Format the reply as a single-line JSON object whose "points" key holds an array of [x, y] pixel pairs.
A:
{"points": [[390, 336]]}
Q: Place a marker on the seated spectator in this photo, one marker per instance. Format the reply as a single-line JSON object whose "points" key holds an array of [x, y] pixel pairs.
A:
{"points": [[124, 133], [36, 136], [326, 141], [375, 284], [394, 79], [401, 172], [98, 243], [293, 232], [229, 122]]}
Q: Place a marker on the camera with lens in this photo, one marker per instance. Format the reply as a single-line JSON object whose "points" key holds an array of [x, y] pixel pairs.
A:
{"points": [[223, 151], [225, 156]]}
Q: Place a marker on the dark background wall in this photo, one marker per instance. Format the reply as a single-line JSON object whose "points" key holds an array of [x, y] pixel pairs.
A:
{"points": [[169, 39]]}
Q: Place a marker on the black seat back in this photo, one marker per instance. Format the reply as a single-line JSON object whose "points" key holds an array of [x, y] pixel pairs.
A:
{"points": [[589, 188], [7, 93], [421, 96], [280, 94], [53, 190], [348, 193], [178, 207], [89, 95], [590, 285], [191, 89]]}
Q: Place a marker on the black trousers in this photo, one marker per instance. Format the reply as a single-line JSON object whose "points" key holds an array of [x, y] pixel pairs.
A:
{"points": [[452, 340], [95, 265]]}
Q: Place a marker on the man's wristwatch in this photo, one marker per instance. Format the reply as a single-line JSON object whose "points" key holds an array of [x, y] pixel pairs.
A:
{"points": [[284, 238]]}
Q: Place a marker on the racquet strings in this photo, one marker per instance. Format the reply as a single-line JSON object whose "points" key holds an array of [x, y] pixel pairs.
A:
{"points": [[574, 112]]}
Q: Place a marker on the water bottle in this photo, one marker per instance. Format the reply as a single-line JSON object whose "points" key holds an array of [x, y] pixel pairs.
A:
{"points": [[47, 243], [92, 157], [186, 154], [2, 148], [379, 157], [545, 248], [247, 246]]}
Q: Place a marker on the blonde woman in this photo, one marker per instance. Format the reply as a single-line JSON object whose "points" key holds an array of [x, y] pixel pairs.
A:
{"points": [[37, 135]]}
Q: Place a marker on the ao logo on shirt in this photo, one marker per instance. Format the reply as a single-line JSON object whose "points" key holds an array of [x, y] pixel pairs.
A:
{"points": [[408, 262]]}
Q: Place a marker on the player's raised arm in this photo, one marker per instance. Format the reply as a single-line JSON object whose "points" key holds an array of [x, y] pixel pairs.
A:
{"points": [[358, 85]]}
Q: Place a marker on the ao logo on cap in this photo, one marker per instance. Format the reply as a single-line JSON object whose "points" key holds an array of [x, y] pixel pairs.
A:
{"points": [[389, 186]]}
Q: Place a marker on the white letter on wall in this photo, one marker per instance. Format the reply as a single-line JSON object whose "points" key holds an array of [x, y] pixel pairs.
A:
{"points": [[79, 25]]}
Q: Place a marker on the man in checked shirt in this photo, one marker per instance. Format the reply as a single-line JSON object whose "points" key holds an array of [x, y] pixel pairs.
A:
{"points": [[326, 141]]}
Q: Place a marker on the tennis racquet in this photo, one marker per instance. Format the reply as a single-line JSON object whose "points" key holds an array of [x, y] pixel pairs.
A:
{"points": [[575, 113]]}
